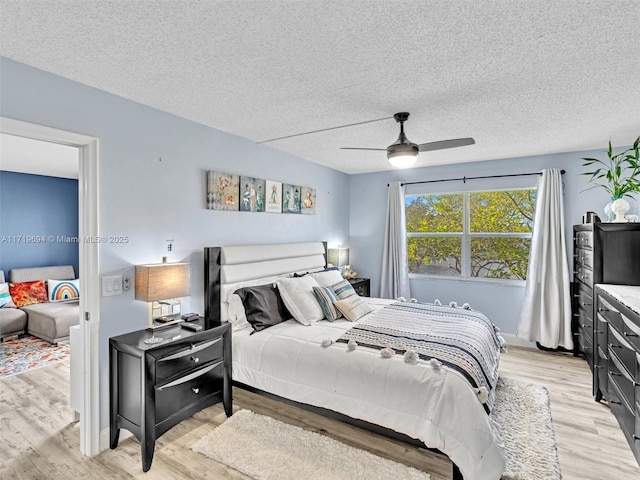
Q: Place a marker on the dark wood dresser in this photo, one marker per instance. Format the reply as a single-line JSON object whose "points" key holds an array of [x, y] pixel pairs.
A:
{"points": [[603, 253], [618, 312], [154, 387]]}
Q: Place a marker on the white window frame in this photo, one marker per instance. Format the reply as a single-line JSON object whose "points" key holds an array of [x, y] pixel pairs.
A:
{"points": [[466, 236]]}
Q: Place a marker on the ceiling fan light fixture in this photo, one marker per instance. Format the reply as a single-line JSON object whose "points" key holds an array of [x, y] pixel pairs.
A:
{"points": [[402, 155]]}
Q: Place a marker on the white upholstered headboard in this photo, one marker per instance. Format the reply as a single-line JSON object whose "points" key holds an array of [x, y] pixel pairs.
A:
{"points": [[226, 268]]}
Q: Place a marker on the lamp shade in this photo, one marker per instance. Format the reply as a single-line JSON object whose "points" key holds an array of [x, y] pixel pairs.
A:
{"points": [[338, 257], [162, 281]]}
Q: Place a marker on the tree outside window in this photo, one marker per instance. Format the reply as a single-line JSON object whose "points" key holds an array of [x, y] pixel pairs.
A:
{"points": [[470, 235]]}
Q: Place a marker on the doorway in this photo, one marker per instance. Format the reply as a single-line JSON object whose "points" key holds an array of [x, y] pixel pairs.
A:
{"points": [[87, 352]]}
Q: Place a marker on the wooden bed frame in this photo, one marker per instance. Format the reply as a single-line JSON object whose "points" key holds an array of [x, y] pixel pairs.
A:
{"points": [[212, 312]]}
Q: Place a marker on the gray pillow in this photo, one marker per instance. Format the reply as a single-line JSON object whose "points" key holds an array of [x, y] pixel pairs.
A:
{"points": [[263, 306]]}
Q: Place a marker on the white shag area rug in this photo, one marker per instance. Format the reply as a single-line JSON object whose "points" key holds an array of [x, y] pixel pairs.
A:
{"points": [[268, 449], [523, 414]]}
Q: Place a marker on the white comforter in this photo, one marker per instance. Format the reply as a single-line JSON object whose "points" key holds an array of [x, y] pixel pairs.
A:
{"points": [[434, 405]]}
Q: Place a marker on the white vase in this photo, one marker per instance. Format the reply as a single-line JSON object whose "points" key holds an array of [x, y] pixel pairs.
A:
{"points": [[620, 207]]}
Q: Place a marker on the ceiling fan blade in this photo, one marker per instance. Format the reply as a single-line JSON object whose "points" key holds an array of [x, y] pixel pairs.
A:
{"points": [[324, 130], [453, 143], [362, 148]]}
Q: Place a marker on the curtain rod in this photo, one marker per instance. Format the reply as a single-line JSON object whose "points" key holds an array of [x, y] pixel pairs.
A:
{"points": [[464, 179]]}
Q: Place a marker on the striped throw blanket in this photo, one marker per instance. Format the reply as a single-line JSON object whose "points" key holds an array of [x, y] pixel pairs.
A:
{"points": [[461, 339]]}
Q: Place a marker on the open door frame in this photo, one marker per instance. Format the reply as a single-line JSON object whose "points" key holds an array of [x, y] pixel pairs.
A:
{"points": [[89, 267]]}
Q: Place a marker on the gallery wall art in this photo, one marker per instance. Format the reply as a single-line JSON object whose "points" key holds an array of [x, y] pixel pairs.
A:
{"points": [[222, 190], [252, 194], [290, 198], [274, 197], [233, 192], [308, 202]]}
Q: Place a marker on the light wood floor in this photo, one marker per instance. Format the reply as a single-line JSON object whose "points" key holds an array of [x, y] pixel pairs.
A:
{"points": [[38, 439]]}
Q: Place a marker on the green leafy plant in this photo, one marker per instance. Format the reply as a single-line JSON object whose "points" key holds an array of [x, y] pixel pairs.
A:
{"points": [[620, 175]]}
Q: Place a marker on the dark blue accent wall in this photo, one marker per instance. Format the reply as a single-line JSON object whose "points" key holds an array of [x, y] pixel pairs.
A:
{"points": [[36, 211]]}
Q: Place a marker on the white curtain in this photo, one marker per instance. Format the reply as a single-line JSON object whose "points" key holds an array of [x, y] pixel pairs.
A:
{"points": [[395, 272], [546, 310]]}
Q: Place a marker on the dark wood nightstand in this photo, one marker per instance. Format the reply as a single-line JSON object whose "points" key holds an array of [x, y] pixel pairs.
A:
{"points": [[362, 286], [155, 387]]}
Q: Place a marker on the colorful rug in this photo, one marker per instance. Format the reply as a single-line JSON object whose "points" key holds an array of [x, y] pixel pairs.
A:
{"points": [[28, 353]]}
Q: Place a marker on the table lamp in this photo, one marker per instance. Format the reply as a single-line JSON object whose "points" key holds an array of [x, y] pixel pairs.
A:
{"points": [[338, 257], [161, 281]]}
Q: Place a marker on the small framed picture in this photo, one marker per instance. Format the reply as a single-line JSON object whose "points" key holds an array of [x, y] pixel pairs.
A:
{"points": [[290, 198], [308, 201], [273, 197], [222, 191], [252, 194]]}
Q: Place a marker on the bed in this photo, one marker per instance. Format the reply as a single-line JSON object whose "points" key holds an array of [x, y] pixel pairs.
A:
{"points": [[395, 369]]}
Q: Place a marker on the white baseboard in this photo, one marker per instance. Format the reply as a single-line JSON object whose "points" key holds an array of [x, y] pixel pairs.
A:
{"points": [[513, 340], [105, 437]]}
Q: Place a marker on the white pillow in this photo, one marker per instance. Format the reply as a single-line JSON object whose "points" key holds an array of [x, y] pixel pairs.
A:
{"points": [[63, 290], [237, 315], [352, 307], [297, 295], [326, 278]]}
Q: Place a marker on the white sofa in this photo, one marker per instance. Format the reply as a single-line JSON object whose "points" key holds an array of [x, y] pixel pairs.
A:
{"points": [[49, 321], [13, 321]]}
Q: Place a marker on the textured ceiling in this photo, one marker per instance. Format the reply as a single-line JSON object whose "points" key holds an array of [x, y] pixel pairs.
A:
{"points": [[522, 78]]}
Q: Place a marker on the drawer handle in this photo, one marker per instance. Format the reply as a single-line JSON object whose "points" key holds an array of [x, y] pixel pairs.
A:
{"points": [[196, 390], [615, 402], [611, 345], [635, 437], [615, 374], [627, 334], [602, 309], [586, 304], [195, 359], [598, 331]]}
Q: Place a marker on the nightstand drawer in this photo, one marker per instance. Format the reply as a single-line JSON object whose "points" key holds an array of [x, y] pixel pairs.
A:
{"points": [[177, 363], [362, 286], [176, 396]]}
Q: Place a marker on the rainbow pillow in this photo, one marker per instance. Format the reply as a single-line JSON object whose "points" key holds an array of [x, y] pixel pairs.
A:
{"points": [[62, 290]]}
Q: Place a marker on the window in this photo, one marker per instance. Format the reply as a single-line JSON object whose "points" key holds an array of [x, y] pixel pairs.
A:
{"points": [[470, 235]]}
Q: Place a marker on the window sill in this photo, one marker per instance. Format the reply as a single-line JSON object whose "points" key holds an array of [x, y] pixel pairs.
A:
{"points": [[485, 281]]}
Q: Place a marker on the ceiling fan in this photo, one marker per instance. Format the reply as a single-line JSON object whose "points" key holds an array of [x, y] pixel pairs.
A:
{"points": [[403, 152]]}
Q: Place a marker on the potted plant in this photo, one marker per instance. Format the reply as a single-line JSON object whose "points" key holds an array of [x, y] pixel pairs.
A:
{"points": [[619, 176]]}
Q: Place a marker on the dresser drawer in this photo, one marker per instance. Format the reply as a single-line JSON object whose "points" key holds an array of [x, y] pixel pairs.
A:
{"points": [[625, 356], [621, 391], [637, 415], [584, 274], [587, 348], [184, 392], [584, 239], [584, 257], [585, 300], [190, 357], [631, 330], [611, 313]]}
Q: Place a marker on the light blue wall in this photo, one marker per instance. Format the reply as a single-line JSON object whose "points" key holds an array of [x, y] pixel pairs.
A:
{"points": [[34, 208], [151, 200], [501, 303]]}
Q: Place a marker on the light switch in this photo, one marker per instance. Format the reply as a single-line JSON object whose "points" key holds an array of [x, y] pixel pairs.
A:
{"points": [[111, 285]]}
